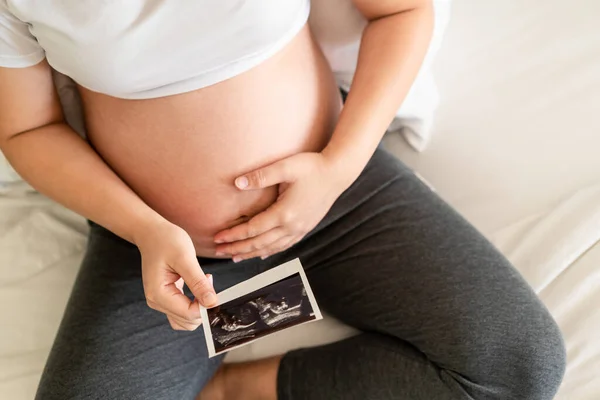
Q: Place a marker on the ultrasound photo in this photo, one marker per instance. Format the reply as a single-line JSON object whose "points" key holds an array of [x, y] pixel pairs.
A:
{"points": [[279, 305], [267, 310]]}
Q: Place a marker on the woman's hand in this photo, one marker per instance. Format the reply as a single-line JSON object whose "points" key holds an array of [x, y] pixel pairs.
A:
{"points": [[169, 260], [308, 187]]}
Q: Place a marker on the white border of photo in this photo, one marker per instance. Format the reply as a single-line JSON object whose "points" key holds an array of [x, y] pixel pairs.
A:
{"points": [[255, 283]]}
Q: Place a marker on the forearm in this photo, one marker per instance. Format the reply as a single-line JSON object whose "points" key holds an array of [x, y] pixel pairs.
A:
{"points": [[61, 165], [392, 50]]}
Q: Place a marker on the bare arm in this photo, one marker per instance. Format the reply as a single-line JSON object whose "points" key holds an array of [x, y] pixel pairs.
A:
{"points": [[393, 46], [56, 161]]}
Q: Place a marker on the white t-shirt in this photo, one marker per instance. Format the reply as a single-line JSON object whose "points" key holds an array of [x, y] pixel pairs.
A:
{"points": [[137, 49]]}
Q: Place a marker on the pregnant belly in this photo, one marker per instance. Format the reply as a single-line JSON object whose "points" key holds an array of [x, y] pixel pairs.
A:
{"points": [[181, 153]]}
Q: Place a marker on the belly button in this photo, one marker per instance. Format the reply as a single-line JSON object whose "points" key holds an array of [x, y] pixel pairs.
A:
{"points": [[242, 219]]}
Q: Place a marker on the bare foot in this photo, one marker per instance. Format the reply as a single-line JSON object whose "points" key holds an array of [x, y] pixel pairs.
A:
{"points": [[215, 388], [255, 380]]}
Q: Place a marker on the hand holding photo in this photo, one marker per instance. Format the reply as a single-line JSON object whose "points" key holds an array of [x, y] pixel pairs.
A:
{"points": [[269, 302]]}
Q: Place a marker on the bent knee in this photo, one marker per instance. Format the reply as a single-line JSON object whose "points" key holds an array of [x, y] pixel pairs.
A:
{"points": [[530, 364], [540, 371], [536, 365]]}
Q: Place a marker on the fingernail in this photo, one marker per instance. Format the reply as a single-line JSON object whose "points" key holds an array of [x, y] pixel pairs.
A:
{"points": [[237, 259], [210, 278], [264, 257], [241, 182], [209, 299], [219, 253], [218, 241]]}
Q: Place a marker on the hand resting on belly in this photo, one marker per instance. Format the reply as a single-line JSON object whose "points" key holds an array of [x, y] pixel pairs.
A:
{"points": [[182, 153]]}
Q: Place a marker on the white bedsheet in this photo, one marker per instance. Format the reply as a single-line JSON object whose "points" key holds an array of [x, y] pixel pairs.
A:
{"points": [[514, 149]]}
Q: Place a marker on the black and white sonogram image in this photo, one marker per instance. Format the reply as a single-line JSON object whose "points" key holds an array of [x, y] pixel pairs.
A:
{"points": [[271, 308]]}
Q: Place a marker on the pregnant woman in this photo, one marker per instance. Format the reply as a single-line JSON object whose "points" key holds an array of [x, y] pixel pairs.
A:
{"points": [[218, 148]]}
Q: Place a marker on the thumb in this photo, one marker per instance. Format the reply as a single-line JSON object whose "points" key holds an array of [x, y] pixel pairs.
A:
{"points": [[270, 175], [199, 284]]}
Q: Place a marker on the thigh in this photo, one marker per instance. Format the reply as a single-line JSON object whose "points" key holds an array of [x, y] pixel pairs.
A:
{"points": [[391, 257], [111, 345]]}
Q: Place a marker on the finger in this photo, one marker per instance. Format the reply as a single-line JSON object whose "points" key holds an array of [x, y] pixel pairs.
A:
{"points": [[257, 225], [179, 284], [274, 248], [187, 325], [179, 325], [252, 244], [271, 175], [282, 247], [174, 325], [199, 284], [171, 301]]}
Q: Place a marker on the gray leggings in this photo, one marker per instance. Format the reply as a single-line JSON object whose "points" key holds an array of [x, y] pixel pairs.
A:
{"points": [[443, 313]]}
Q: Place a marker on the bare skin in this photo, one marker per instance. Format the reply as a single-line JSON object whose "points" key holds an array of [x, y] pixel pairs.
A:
{"points": [[181, 153], [392, 24], [244, 381], [176, 159]]}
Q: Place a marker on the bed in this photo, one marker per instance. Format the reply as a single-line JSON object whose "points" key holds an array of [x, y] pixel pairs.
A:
{"points": [[514, 148]]}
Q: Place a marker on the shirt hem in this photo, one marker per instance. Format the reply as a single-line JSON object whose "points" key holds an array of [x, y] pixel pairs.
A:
{"points": [[219, 73], [22, 61]]}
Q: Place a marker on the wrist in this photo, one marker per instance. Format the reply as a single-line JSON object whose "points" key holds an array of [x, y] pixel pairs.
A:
{"points": [[145, 226], [343, 169]]}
